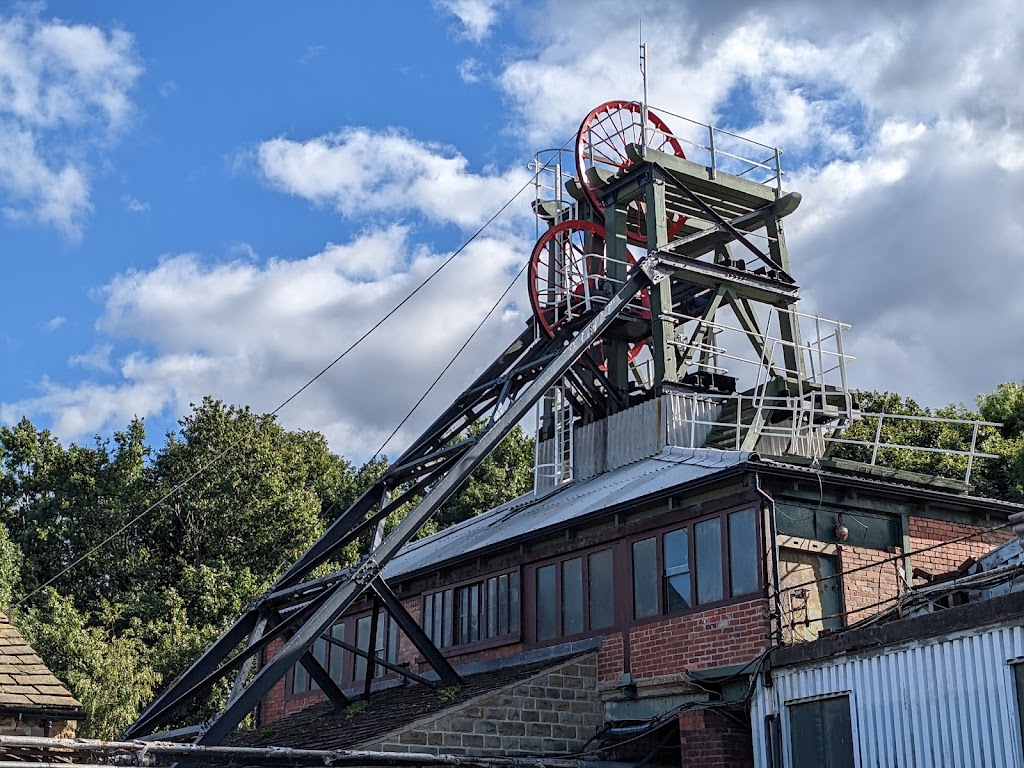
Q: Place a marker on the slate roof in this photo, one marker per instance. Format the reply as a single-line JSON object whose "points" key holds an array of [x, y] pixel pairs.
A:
{"points": [[532, 514], [321, 727], [26, 684]]}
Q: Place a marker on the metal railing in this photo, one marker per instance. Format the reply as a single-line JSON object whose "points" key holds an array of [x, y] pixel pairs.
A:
{"points": [[727, 151], [549, 180], [797, 427], [784, 425], [970, 451]]}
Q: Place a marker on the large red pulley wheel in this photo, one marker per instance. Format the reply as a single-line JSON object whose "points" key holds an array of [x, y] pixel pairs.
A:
{"points": [[568, 278], [601, 144]]}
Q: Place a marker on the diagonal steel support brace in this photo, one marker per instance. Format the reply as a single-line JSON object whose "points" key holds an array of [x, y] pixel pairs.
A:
{"points": [[415, 633], [374, 659], [722, 222], [346, 593]]}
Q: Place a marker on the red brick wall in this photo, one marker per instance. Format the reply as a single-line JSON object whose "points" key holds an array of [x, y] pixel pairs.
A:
{"points": [[275, 704], [925, 533], [610, 659], [863, 590], [711, 740], [730, 634]]}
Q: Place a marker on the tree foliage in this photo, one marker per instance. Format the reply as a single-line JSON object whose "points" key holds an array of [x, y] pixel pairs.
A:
{"points": [[191, 533], [1001, 477]]}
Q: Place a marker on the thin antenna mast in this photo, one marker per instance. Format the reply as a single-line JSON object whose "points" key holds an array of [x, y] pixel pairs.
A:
{"points": [[643, 105]]}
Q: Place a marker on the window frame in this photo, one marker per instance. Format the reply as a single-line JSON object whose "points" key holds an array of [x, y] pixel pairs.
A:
{"points": [[530, 594], [345, 658], [455, 647], [725, 563]]}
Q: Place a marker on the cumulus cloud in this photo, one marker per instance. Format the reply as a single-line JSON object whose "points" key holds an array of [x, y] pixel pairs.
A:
{"points": [[368, 173], [903, 127], [476, 16], [64, 90], [55, 322], [254, 331]]}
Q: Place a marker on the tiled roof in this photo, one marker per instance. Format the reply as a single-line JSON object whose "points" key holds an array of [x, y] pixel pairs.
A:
{"points": [[321, 727], [26, 683]]}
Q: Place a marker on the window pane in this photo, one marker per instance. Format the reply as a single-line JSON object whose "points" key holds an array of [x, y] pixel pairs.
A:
{"points": [[743, 554], [601, 589], [428, 618], [708, 547], [463, 610], [677, 570], [320, 654], [337, 653], [441, 619], [546, 616], [492, 606], [446, 620], [392, 642], [363, 643], [821, 735], [645, 578], [503, 605], [474, 613], [513, 602], [300, 679], [572, 596], [380, 645]]}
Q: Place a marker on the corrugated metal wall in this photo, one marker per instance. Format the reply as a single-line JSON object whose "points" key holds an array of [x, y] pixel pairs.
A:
{"points": [[634, 434], [947, 701]]}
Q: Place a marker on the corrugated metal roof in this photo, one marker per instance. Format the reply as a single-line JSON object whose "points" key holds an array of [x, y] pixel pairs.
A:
{"points": [[554, 508]]}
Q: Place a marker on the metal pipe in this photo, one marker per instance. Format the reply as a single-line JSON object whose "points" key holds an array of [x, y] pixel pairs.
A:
{"points": [[139, 749], [773, 532]]}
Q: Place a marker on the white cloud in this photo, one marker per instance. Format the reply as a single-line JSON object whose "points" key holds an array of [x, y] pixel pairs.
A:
{"points": [[366, 173], [55, 322], [254, 332], [312, 52], [904, 130], [64, 90], [133, 205], [469, 70], [97, 358], [476, 16]]}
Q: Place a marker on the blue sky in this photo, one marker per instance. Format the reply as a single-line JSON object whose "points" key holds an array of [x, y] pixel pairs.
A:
{"points": [[215, 199]]}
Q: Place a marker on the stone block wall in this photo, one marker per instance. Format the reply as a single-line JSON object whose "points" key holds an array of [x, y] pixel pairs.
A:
{"points": [[556, 711], [26, 725]]}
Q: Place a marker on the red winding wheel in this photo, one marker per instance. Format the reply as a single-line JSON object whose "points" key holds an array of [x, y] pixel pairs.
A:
{"points": [[567, 278], [601, 144]]}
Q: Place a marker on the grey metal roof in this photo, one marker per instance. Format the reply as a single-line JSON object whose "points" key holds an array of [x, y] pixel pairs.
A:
{"points": [[531, 514]]}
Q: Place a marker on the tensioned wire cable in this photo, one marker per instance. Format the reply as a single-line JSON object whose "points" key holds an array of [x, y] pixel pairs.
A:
{"points": [[220, 455]]}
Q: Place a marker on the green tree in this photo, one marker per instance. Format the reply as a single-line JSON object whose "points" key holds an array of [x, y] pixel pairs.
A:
{"points": [[1003, 478], [912, 433], [502, 476], [106, 670], [194, 531]]}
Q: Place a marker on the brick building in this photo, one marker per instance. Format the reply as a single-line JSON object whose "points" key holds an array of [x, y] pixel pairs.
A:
{"points": [[662, 583]]}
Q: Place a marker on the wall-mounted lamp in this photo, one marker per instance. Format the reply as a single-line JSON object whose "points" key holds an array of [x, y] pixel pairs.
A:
{"points": [[841, 531]]}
